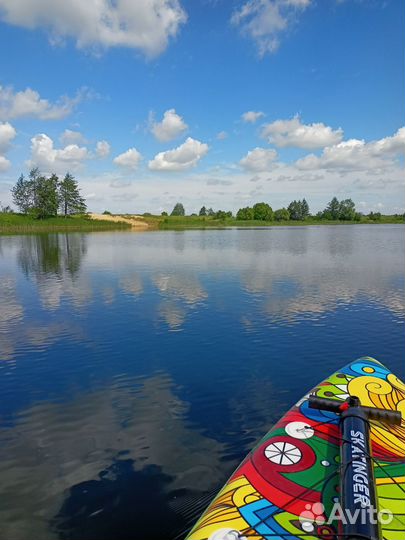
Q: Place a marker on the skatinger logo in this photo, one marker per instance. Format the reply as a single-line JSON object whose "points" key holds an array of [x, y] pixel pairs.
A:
{"points": [[361, 489]]}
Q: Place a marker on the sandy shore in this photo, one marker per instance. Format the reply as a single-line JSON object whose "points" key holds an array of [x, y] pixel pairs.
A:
{"points": [[136, 222]]}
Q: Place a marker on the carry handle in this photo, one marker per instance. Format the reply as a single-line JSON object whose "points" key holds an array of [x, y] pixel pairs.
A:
{"points": [[372, 413], [324, 404]]}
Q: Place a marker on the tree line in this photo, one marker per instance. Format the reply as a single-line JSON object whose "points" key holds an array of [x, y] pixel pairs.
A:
{"points": [[43, 196], [179, 210], [344, 210]]}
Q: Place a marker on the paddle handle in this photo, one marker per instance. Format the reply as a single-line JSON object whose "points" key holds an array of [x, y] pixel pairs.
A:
{"points": [[371, 413], [324, 404]]}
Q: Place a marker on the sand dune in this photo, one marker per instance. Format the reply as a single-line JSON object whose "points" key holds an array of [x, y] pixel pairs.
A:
{"points": [[136, 222]]}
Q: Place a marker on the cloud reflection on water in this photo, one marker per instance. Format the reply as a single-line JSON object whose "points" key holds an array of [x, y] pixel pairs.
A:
{"points": [[93, 318], [11, 315], [288, 274], [56, 446]]}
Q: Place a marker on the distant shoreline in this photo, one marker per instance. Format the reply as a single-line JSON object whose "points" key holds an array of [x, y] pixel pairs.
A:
{"points": [[21, 224], [197, 222]]}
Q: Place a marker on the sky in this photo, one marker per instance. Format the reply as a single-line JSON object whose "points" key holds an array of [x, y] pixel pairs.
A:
{"points": [[221, 103]]}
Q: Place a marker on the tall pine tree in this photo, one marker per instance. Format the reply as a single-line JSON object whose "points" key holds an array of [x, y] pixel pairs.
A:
{"points": [[333, 208], [70, 200]]}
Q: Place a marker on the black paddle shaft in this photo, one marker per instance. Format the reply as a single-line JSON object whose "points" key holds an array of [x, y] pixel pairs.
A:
{"points": [[357, 486]]}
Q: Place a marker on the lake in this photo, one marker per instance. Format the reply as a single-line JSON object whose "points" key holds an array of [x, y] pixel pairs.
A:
{"points": [[138, 369]]}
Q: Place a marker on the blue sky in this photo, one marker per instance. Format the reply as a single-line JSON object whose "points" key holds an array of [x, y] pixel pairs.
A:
{"points": [[216, 102]]}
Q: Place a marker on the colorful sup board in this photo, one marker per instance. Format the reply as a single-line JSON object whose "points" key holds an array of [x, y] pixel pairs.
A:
{"points": [[289, 486]]}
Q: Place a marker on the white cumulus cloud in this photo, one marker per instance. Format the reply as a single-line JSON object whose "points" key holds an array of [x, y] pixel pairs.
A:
{"points": [[171, 126], [7, 134], [72, 137], [29, 103], [293, 133], [259, 159], [265, 20], [103, 148], [252, 116], [356, 154], [55, 160], [185, 156], [129, 159], [146, 25], [4, 164], [390, 145]]}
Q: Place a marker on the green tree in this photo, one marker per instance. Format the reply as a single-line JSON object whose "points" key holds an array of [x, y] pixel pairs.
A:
{"points": [[178, 210], [326, 214], [304, 209], [282, 214], [33, 184], [333, 209], [46, 196], [343, 210], [164, 213], [210, 212], [37, 195], [221, 214], [245, 214], [22, 194], [299, 210], [71, 201], [347, 210], [203, 211], [262, 211], [294, 210], [374, 216]]}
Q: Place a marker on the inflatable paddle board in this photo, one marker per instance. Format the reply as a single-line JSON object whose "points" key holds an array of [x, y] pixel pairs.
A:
{"points": [[333, 467]]}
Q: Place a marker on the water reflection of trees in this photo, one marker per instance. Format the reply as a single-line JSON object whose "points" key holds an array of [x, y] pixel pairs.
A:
{"points": [[122, 503], [51, 254]]}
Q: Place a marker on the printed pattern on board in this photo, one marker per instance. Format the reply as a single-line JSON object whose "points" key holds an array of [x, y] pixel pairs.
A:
{"points": [[287, 486]]}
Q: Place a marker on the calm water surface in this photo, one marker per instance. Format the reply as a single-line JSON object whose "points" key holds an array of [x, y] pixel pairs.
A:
{"points": [[137, 370]]}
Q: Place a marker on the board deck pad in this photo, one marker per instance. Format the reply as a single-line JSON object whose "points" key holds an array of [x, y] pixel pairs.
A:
{"points": [[288, 485]]}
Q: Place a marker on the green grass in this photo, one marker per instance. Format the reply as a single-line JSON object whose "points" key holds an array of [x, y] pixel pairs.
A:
{"points": [[197, 222], [190, 222], [19, 223]]}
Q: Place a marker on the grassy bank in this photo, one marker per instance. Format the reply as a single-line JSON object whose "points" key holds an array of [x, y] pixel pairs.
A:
{"points": [[19, 223], [197, 222]]}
